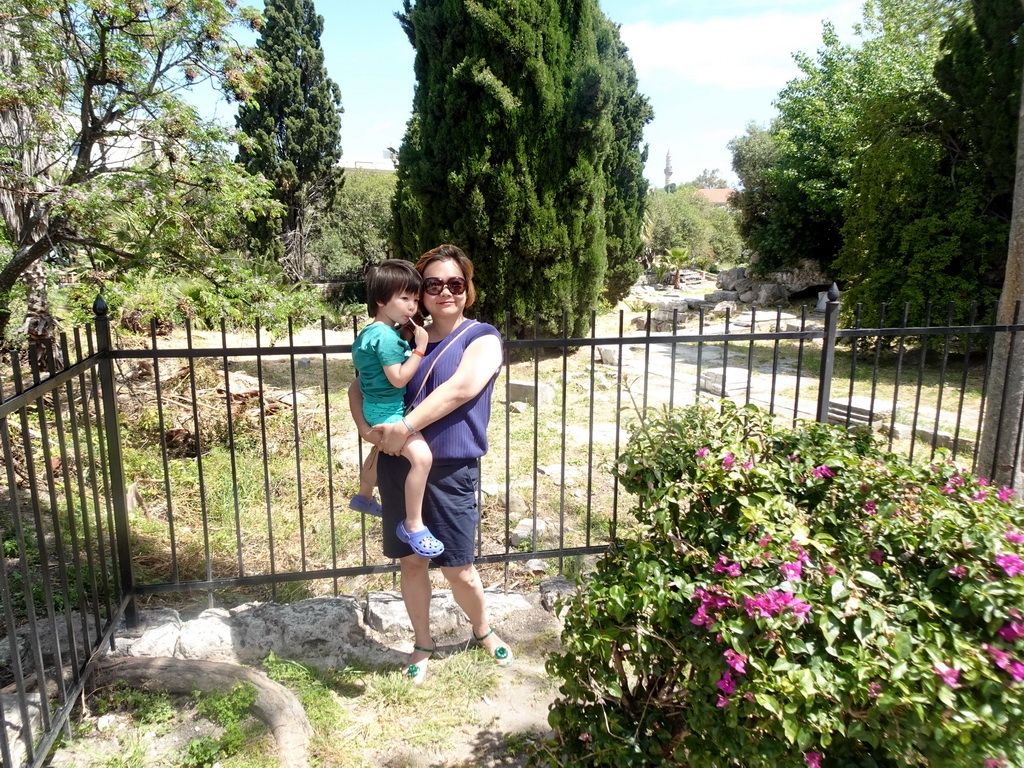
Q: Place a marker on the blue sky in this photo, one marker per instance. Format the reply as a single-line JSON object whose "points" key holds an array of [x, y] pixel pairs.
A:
{"points": [[708, 69]]}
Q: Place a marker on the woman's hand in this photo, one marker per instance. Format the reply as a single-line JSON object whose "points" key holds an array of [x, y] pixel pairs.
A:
{"points": [[393, 437]]}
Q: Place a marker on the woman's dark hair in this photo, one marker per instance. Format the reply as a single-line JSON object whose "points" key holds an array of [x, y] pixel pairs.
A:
{"points": [[450, 252], [388, 279]]}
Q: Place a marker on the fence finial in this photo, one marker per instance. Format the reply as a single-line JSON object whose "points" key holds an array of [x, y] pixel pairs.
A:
{"points": [[833, 293], [99, 306]]}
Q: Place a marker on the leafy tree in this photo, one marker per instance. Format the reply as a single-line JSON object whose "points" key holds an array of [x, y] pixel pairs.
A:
{"points": [[292, 127], [124, 170], [709, 179], [507, 148], [933, 188], [358, 231], [754, 158], [685, 219]]}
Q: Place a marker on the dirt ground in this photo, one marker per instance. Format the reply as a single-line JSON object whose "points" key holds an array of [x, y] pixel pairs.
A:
{"points": [[507, 719]]}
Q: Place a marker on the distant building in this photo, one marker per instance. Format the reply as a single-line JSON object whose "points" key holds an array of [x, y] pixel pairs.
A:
{"points": [[718, 197], [385, 164], [668, 168]]}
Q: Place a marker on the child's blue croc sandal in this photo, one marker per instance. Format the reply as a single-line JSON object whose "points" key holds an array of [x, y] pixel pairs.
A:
{"points": [[367, 506], [423, 542]]}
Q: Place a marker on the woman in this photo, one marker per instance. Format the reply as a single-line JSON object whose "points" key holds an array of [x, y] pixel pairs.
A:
{"points": [[451, 395]]}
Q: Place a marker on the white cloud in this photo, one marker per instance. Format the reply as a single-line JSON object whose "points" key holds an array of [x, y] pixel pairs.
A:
{"points": [[754, 51]]}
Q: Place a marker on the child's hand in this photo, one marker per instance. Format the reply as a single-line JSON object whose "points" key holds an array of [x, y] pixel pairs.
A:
{"points": [[419, 335]]}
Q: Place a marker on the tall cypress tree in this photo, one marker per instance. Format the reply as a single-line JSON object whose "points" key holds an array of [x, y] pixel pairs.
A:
{"points": [[506, 151], [626, 186], [293, 125]]}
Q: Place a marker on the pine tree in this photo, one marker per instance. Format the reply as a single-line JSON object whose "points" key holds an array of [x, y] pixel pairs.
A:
{"points": [[293, 125], [507, 150]]}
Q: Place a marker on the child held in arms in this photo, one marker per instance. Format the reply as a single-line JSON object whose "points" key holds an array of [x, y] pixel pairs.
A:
{"points": [[385, 362]]}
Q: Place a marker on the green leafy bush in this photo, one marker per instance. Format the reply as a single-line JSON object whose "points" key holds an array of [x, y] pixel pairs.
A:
{"points": [[795, 597]]}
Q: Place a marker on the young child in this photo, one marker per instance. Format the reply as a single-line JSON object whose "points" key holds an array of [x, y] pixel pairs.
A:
{"points": [[385, 365]]}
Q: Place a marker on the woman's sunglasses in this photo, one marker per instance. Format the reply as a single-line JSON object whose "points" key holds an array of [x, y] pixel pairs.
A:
{"points": [[434, 285]]}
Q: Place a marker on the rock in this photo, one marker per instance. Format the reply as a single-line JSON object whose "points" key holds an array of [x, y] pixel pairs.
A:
{"points": [[727, 278], [515, 504], [531, 393], [537, 566], [610, 354], [518, 407], [553, 589], [771, 294], [720, 296], [524, 531]]}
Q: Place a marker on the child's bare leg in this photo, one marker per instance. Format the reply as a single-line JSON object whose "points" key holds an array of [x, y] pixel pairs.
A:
{"points": [[368, 477], [364, 501], [418, 453]]}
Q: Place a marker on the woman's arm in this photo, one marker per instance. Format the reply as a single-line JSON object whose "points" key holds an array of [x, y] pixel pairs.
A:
{"points": [[480, 361]]}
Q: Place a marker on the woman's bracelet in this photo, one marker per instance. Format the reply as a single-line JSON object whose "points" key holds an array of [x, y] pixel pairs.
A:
{"points": [[408, 426], [418, 353]]}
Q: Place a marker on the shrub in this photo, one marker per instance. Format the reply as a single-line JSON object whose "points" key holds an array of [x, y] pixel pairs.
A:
{"points": [[795, 597]]}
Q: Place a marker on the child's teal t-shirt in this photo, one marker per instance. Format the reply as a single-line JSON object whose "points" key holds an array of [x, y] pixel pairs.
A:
{"points": [[377, 346]]}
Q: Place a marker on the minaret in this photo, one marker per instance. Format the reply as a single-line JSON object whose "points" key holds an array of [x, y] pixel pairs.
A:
{"points": [[668, 168]]}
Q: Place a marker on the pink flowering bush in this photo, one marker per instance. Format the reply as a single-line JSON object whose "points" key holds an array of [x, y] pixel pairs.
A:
{"points": [[795, 597]]}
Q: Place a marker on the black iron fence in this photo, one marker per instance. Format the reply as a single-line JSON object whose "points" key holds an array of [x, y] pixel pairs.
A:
{"points": [[228, 463]]}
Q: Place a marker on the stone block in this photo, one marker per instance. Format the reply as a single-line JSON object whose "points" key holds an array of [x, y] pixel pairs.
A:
{"points": [[534, 394], [725, 381], [718, 296]]}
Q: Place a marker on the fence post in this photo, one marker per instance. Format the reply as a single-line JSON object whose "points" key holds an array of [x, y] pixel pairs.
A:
{"points": [[828, 352], [112, 428]]}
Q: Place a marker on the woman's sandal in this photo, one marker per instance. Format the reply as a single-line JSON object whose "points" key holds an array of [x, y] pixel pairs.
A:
{"points": [[423, 542], [501, 654], [417, 673]]}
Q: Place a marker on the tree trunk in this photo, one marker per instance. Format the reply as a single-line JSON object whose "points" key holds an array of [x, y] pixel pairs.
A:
{"points": [[275, 705], [22, 213], [1002, 440], [40, 325]]}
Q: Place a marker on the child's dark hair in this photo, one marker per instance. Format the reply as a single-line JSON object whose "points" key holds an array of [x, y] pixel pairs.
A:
{"points": [[388, 279]]}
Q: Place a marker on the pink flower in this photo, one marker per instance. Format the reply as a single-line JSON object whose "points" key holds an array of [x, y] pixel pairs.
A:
{"points": [[947, 490], [737, 661], [722, 700], [1012, 632], [1005, 494], [702, 452], [1012, 564], [980, 495], [792, 571], [869, 507], [948, 674], [828, 569], [983, 481], [764, 541], [877, 557], [822, 471], [1014, 537], [747, 464], [728, 461], [1016, 670], [727, 685], [959, 571], [813, 759], [1001, 659], [995, 762], [875, 690], [724, 566], [793, 457]]}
